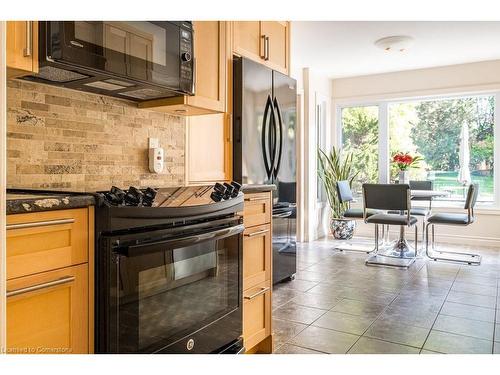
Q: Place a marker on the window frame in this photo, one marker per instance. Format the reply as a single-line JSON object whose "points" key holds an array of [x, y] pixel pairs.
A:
{"points": [[383, 131]]}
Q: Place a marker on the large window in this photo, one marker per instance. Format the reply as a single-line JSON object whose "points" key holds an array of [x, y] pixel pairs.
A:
{"points": [[453, 135], [439, 130], [360, 131]]}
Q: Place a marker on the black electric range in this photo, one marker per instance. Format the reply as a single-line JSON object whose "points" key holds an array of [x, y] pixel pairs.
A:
{"points": [[169, 270]]}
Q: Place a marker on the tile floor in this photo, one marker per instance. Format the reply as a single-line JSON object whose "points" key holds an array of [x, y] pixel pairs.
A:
{"points": [[336, 304]]}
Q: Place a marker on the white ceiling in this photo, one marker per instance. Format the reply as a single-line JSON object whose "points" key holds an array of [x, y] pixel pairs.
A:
{"points": [[346, 49]]}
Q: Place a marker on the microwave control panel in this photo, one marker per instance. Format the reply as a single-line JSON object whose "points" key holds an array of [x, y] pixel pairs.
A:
{"points": [[187, 60]]}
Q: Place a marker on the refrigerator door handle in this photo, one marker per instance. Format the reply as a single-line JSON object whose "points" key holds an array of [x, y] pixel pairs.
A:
{"points": [[279, 134], [265, 137]]}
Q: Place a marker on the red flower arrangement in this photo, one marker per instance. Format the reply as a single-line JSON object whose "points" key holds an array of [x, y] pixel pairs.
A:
{"points": [[405, 161]]}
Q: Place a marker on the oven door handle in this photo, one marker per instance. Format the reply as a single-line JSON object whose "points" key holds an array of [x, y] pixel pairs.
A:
{"points": [[152, 247]]}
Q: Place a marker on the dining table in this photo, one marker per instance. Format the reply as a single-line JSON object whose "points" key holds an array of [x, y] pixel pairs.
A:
{"points": [[399, 250]]}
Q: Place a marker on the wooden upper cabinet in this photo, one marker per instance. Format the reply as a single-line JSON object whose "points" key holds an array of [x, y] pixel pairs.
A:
{"points": [[22, 48], [247, 39], [211, 60], [208, 151], [267, 42], [277, 40]]}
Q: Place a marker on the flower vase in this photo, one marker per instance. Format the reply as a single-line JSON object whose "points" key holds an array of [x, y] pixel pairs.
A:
{"points": [[404, 177], [342, 229]]}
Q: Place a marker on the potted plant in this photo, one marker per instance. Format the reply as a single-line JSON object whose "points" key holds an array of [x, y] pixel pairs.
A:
{"points": [[332, 168], [403, 162]]}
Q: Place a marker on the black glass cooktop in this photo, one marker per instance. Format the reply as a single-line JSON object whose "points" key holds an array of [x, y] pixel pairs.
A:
{"points": [[183, 196]]}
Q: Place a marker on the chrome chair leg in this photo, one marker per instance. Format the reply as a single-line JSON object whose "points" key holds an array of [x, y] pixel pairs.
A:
{"points": [[352, 247], [473, 259], [416, 240], [393, 254]]}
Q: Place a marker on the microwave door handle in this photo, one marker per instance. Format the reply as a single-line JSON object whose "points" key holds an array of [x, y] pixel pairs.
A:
{"points": [[153, 247], [193, 80]]}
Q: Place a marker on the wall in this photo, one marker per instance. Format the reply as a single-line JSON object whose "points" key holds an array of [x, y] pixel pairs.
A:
{"points": [[317, 89], [65, 139], [480, 76], [455, 79]]}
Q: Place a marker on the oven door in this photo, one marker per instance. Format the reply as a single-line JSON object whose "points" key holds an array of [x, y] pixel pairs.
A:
{"points": [[144, 51], [176, 295]]}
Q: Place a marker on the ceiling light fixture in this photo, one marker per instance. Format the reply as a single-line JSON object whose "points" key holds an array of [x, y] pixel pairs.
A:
{"points": [[399, 43]]}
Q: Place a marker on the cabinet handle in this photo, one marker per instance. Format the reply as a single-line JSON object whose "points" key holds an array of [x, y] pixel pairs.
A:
{"points": [[266, 48], [230, 128], [29, 39], [253, 199], [16, 292], [263, 48], [39, 224], [261, 291], [258, 233]]}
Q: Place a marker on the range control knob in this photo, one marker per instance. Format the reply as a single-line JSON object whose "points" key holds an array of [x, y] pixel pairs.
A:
{"points": [[186, 57]]}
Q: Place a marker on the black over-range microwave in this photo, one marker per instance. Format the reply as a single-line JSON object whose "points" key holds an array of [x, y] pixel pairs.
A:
{"points": [[136, 60]]}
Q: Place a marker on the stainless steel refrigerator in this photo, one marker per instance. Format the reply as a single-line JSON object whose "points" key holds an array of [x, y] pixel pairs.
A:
{"points": [[264, 149]]}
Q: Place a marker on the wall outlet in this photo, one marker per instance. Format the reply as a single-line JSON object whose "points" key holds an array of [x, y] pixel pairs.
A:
{"points": [[154, 143]]}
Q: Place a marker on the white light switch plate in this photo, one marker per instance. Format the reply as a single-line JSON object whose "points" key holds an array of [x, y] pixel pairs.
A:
{"points": [[154, 143]]}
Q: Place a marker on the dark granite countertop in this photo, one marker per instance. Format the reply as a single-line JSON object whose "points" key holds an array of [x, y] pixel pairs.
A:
{"points": [[257, 188], [20, 201]]}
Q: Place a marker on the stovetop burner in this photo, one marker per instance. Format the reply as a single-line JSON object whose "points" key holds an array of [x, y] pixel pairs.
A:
{"points": [[172, 197]]}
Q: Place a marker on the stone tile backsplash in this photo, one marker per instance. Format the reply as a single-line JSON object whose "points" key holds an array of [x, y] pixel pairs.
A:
{"points": [[65, 139]]}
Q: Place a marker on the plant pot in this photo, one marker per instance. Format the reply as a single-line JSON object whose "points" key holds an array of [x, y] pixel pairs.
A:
{"points": [[404, 177], [342, 229]]}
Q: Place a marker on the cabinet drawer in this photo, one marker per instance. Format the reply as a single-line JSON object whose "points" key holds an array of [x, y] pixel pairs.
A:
{"points": [[256, 255], [257, 209], [256, 314], [44, 241], [48, 312]]}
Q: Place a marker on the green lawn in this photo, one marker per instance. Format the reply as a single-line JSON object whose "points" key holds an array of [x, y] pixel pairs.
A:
{"points": [[448, 181]]}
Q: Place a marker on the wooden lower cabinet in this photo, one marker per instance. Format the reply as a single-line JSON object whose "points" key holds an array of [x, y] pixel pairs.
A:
{"points": [[50, 282], [257, 273], [257, 209], [44, 241], [257, 256], [47, 313], [257, 316]]}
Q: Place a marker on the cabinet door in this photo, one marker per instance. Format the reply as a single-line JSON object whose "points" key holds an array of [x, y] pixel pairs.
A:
{"points": [[210, 60], [208, 155], [48, 312], [22, 47], [257, 260], [256, 314], [247, 39], [257, 209], [43, 241], [277, 53]]}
